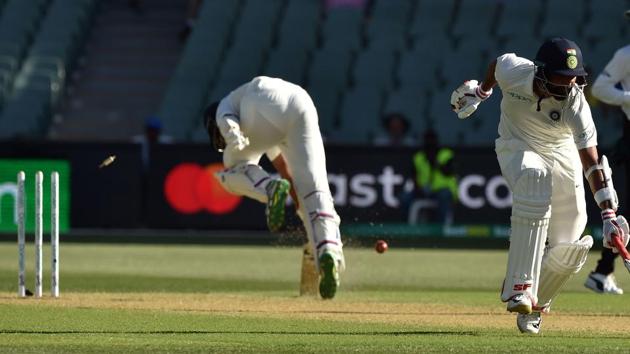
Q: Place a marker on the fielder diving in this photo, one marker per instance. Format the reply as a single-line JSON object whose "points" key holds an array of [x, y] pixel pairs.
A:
{"points": [[547, 140], [277, 118]]}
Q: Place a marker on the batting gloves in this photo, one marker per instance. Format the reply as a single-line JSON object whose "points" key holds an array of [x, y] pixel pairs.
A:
{"points": [[614, 225], [467, 97]]}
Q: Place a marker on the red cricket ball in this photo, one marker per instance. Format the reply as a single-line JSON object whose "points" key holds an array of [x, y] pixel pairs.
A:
{"points": [[380, 246]]}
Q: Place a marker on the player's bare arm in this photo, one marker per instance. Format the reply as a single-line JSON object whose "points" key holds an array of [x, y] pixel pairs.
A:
{"points": [[280, 164]]}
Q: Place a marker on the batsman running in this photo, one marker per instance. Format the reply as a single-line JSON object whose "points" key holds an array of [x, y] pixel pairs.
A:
{"points": [[547, 140], [277, 118]]}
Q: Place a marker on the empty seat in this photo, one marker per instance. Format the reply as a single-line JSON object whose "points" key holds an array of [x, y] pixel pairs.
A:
{"points": [[389, 20], [568, 24], [300, 24], [519, 18], [605, 21], [443, 120], [240, 65], [288, 63], [475, 18], [343, 24], [375, 68], [431, 18], [326, 100], [522, 46], [330, 66], [360, 115]]}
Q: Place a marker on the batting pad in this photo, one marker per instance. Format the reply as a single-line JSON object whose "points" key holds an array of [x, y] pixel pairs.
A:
{"points": [[559, 264], [530, 221], [322, 225], [245, 179]]}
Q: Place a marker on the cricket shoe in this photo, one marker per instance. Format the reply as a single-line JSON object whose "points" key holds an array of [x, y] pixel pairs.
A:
{"points": [[328, 275], [603, 284], [277, 192], [520, 303], [529, 323]]}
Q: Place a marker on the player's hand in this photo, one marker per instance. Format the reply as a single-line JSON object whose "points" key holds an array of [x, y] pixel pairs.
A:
{"points": [[614, 225], [467, 97]]}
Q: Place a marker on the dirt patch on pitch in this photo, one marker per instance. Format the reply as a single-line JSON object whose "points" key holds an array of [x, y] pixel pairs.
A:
{"points": [[440, 315]]}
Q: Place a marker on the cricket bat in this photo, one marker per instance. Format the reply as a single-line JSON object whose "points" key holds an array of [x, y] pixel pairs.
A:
{"points": [[622, 251]]}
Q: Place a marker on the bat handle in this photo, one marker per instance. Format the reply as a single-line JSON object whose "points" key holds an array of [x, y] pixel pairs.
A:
{"points": [[616, 240]]}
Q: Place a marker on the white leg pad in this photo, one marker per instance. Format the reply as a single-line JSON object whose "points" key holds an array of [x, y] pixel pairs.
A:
{"points": [[245, 179], [322, 225], [559, 264], [530, 221]]}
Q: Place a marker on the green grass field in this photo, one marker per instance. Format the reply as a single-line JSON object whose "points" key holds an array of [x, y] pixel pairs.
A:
{"points": [[168, 298]]}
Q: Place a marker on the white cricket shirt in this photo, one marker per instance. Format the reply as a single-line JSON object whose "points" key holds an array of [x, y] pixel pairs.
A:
{"points": [[556, 124], [616, 71]]}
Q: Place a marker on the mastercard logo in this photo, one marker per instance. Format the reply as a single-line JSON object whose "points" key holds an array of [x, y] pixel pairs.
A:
{"points": [[190, 188]]}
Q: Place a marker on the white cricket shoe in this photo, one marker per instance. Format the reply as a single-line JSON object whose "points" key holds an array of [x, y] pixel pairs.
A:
{"points": [[520, 303], [529, 323], [603, 284]]}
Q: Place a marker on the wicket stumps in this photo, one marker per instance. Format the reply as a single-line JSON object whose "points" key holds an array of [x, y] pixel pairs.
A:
{"points": [[39, 220]]}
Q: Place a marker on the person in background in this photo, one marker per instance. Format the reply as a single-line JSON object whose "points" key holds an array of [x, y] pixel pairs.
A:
{"points": [[396, 127], [612, 86], [152, 135], [435, 177], [192, 13]]}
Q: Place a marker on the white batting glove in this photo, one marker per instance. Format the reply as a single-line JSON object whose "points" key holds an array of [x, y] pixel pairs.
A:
{"points": [[467, 97], [231, 131], [614, 225]]}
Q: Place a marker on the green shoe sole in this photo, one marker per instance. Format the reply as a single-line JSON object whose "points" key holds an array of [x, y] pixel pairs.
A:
{"points": [[329, 277], [276, 204]]}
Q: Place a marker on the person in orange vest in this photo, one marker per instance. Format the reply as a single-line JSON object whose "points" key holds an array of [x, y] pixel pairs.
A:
{"points": [[435, 177]]}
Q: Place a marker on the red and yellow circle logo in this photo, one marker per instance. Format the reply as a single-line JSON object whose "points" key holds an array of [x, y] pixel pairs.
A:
{"points": [[190, 188]]}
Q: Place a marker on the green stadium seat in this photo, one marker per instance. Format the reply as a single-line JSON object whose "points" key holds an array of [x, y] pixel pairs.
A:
{"points": [[411, 103], [605, 21], [518, 18], [40, 81], [431, 18], [343, 25], [475, 19], [240, 65], [256, 24], [374, 68], [418, 70], [568, 25], [326, 100], [299, 26], [330, 66], [288, 63], [389, 20], [523, 46], [443, 120], [360, 115]]}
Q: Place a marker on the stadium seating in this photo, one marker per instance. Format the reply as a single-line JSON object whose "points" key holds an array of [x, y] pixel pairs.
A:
{"points": [[357, 64], [40, 81], [388, 22], [475, 19], [605, 21], [518, 18], [18, 23], [568, 25], [186, 94], [359, 116]]}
